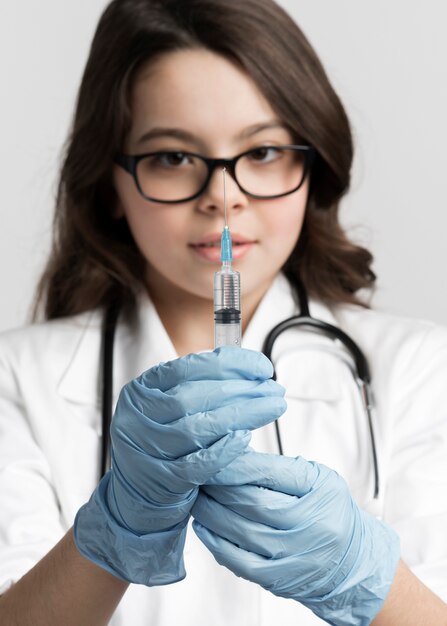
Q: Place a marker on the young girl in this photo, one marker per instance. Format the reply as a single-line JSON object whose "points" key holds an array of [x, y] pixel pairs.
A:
{"points": [[173, 91]]}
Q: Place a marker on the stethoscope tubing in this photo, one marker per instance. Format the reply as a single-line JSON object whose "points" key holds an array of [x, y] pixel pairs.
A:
{"points": [[362, 378], [304, 319], [107, 346]]}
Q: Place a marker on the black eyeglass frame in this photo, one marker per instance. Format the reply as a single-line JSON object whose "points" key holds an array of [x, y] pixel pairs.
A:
{"points": [[130, 163]]}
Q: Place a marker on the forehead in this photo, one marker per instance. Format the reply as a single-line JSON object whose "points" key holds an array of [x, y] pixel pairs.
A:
{"points": [[198, 90]]}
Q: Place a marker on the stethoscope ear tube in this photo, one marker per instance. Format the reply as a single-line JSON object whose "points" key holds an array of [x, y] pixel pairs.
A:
{"points": [[108, 338], [368, 403]]}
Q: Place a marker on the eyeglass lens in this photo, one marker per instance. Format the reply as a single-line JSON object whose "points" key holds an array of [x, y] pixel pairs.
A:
{"points": [[267, 171]]}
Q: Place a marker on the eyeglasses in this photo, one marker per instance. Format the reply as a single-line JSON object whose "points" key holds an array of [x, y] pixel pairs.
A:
{"points": [[175, 176]]}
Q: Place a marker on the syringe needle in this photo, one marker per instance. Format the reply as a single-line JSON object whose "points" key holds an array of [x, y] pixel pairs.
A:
{"points": [[225, 196]]}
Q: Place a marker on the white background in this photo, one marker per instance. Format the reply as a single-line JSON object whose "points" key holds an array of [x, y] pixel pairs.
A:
{"points": [[386, 59]]}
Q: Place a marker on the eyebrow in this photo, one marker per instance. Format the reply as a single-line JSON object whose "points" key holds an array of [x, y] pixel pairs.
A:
{"points": [[257, 128], [179, 133]]}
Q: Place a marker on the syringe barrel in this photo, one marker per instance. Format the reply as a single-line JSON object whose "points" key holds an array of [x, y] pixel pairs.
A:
{"points": [[227, 308], [227, 289]]}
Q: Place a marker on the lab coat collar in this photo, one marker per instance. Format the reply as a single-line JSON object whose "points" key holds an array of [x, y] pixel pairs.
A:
{"points": [[278, 304], [142, 342]]}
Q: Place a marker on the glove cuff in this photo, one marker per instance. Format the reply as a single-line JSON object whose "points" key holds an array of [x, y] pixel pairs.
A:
{"points": [[357, 600], [151, 559]]}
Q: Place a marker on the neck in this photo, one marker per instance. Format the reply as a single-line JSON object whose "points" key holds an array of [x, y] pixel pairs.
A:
{"points": [[188, 323]]}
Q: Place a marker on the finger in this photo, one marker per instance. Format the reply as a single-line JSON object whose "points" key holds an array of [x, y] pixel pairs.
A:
{"points": [[163, 481], [192, 397], [204, 428], [245, 564], [272, 508], [221, 364], [198, 467], [294, 476], [196, 396], [249, 535], [196, 431], [141, 513]]}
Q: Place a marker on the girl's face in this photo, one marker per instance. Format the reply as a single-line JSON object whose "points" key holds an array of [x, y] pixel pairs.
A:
{"points": [[197, 101]]}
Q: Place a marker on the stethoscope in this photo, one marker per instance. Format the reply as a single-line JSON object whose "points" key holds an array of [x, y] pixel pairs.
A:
{"points": [[303, 319]]}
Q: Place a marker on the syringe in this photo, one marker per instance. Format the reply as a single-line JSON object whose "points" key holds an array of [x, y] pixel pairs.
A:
{"points": [[227, 293]]}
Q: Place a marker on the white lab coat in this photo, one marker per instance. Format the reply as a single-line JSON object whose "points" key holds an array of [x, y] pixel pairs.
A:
{"points": [[50, 440]]}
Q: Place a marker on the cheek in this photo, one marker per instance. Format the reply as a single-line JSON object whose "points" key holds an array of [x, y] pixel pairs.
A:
{"points": [[287, 225], [155, 228], [157, 235], [283, 224]]}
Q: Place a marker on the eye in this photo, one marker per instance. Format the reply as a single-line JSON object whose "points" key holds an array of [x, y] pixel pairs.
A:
{"points": [[265, 154], [171, 159]]}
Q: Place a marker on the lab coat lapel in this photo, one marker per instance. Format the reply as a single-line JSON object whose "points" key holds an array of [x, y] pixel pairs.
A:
{"points": [[141, 341], [80, 381]]}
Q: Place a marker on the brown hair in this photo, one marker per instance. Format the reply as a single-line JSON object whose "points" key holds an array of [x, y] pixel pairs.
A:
{"points": [[94, 260]]}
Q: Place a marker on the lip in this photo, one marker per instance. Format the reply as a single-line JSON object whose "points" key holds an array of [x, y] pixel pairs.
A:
{"points": [[213, 237], [241, 246]]}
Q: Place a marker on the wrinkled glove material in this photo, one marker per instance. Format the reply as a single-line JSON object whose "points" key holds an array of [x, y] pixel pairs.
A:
{"points": [[122, 553], [291, 526], [174, 428]]}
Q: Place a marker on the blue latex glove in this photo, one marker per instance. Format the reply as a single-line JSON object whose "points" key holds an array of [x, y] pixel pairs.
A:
{"points": [[174, 427], [296, 531]]}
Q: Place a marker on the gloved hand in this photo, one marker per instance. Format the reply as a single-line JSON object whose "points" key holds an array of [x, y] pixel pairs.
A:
{"points": [[174, 427], [291, 526]]}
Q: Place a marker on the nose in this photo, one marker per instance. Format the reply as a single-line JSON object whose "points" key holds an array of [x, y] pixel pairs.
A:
{"points": [[211, 201]]}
